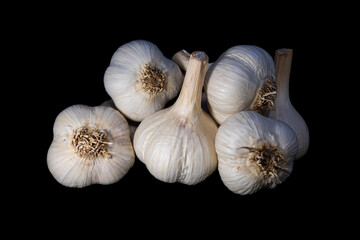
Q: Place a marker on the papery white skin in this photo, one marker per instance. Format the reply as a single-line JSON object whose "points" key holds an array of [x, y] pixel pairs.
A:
{"points": [[288, 114], [122, 79], [249, 129], [71, 170], [175, 150], [132, 124], [177, 144], [233, 81]]}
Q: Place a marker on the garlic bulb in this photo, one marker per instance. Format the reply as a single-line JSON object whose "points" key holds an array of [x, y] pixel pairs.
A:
{"points": [[91, 145], [254, 152], [284, 109], [140, 80], [241, 79], [177, 144]]}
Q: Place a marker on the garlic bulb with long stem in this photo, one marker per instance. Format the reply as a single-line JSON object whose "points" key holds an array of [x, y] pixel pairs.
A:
{"points": [[254, 152], [91, 145], [140, 80], [285, 111], [177, 144], [242, 78]]}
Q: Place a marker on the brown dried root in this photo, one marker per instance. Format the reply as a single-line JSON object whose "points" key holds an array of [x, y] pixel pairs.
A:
{"points": [[91, 143], [269, 161], [266, 97], [152, 79]]}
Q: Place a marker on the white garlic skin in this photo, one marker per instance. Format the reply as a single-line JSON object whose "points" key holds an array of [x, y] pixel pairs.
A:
{"points": [[245, 130], [233, 81], [72, 170], [176, 150], [123, 84], [132, 124], [288, 114]]}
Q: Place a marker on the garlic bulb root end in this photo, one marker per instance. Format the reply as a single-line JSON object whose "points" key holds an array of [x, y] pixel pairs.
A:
{"points": [[90, 143], [266, 97], [152, 79], [268, 160]]}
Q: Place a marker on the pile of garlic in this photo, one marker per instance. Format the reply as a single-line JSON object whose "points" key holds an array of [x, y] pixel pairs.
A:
{"points": [[251, 132]]}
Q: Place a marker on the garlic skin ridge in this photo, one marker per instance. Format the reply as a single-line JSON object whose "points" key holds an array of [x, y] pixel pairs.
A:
{"points": [[140, 80], [254, 152], [242, 78], [284, 110], [177, 144], [91, 145]]}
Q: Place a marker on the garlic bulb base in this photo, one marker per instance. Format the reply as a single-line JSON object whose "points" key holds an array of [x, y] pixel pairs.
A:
{"points": [[268, 159], [90, 143], [266, 97], [152, 79]]}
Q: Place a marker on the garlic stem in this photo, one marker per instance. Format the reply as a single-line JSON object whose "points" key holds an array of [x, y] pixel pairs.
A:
{"points": [[182, 58], [284, 110], [188, 103], [283, 59]]}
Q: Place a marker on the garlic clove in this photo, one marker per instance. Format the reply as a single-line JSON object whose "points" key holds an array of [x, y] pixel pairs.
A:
{"points": [[285, 111], [254, 152], [140, 80], [91, 145], [177, 144]]}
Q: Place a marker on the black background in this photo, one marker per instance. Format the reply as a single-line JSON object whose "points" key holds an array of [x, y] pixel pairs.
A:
{"points": [[67, 53]]}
